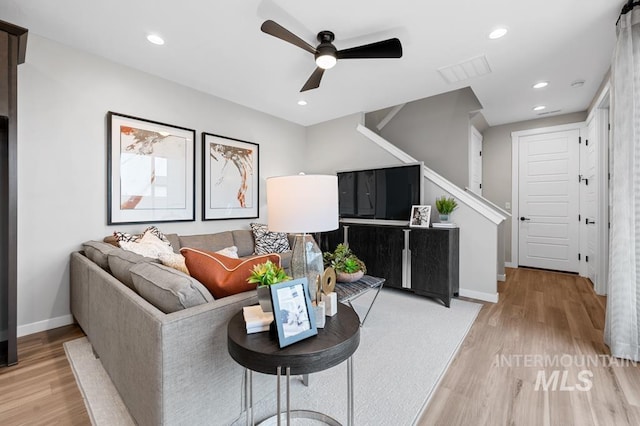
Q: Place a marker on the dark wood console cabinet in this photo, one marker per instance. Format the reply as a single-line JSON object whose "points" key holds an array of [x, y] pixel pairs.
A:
{"points": [[424, 261]]}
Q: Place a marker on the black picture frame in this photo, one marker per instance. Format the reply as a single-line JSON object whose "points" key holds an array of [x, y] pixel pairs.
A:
{"points": [[150, 171], [230, 178], [293, 313]]}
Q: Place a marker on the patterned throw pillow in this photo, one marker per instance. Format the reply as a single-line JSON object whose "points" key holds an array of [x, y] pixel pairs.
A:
{"points": [[133, 238], [269, 242]]}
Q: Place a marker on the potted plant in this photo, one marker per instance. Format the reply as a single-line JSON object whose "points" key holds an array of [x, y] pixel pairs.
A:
{"points": [[346, 264], [445, 205], [266, 274]]}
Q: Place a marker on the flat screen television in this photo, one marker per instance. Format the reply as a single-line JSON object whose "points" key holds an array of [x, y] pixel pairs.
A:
{"points": [[382, 194]]}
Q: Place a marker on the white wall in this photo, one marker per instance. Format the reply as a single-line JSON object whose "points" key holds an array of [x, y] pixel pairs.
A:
{"points": [[63, 96]]}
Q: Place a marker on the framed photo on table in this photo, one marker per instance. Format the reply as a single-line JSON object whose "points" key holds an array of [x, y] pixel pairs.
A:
{"points": [[150, 171], [293, 313], [230, 173], [420, 216]]}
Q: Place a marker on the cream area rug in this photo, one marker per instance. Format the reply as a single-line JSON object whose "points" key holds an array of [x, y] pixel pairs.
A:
{"points": [[406, 345]]}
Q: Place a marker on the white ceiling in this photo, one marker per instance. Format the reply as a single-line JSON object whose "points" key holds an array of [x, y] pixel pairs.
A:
{"points": [[216, 46]]}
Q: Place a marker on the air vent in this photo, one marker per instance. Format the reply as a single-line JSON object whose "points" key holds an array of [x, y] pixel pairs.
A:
{"points": [[550, 112], [474, 67]]}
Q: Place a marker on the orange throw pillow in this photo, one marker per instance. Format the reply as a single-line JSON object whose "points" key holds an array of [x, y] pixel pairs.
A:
{"points": [[222, 275]]}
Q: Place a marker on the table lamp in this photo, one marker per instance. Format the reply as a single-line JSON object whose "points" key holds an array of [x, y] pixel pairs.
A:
{"points": [[302, 204]]}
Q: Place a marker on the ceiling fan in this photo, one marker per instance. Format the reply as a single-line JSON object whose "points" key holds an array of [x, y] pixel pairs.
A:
{"points": [[327, 55]]}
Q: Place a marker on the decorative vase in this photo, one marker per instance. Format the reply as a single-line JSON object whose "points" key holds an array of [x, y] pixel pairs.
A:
{"points": [[264, 298], [444, 218], [345, 277]]}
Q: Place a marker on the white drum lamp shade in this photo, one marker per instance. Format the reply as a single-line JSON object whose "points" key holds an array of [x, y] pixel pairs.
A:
{"points": [[299, 205], [302, 203]]}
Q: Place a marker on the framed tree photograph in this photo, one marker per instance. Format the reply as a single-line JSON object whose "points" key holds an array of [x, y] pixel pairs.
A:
{"points": [[293, 313], [420, 216], [150, 171], [230, 173]]}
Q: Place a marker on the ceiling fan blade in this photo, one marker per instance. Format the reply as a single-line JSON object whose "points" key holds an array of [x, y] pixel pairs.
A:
{"points": [[314, 81], [278, 31], [383, 49]]}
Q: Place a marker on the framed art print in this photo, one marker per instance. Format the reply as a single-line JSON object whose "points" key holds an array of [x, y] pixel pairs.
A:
{"points": [[230, 173], [293, 313], [420, 216], [151, 171]]}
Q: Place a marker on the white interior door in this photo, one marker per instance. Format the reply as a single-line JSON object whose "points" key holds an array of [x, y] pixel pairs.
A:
{"points": [[548, 200], [589, 212], [475, 161]]}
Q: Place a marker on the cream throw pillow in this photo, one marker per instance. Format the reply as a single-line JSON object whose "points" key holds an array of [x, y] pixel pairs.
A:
{"points": [[175, 261], [149, 246]]}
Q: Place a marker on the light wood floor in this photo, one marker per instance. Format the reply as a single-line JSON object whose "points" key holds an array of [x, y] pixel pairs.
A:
{"points": [[538, 313], [41, 389]]}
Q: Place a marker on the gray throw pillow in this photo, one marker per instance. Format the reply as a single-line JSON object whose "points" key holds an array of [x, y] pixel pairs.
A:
{"points": [[120, 263], [168, 289], [97, 252]]}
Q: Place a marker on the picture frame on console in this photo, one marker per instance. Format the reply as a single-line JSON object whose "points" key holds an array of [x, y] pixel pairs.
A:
{"points": [[150, 171], [230, 173], [420, 216], [294, 316]]}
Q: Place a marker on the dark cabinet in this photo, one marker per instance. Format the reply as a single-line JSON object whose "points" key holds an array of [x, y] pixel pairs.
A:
{"points": [[423, 261], [435, 263]]}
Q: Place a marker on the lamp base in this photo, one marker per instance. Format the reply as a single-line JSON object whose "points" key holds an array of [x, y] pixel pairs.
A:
{"points": [[306, 262]]}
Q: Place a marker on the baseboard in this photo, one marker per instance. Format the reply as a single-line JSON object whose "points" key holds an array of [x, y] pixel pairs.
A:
{"points": [[48, 324], [487, 297], [510, 265], [502, 277]]}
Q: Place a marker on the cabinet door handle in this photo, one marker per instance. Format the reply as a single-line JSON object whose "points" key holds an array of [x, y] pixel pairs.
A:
{"points": [[522, 218]]}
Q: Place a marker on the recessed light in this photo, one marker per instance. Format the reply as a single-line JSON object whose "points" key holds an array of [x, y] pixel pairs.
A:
{"points": [[539, 108], [577, 83], [302, 102], [497, 33], [155, 39], [541, 84]]}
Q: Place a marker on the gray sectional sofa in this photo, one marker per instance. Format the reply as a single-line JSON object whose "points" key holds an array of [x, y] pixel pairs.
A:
{"points": [[169, 368]]}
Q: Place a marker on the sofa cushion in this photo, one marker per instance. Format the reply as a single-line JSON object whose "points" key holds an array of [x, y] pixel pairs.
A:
{"points": [[120, 263], [221, 275], [126, 237], [208, 242], [97, 252], [149, 245], [166, 288], [268, 242], [243, 239], [229, 252]]}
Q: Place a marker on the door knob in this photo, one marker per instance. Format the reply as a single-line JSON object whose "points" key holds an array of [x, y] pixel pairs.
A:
{"points": [[589, 222], [522, 218]]}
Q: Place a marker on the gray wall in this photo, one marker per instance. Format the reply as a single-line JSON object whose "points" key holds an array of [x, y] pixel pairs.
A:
{"points": [[496, 161], [436, 130], [64, 95], [335, 145]]}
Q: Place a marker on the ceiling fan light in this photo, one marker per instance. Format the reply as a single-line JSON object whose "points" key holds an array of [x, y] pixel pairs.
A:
{"points": [[326, 61]]}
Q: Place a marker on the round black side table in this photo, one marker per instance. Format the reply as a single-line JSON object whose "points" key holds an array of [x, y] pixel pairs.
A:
{"points": [[335, 343]]}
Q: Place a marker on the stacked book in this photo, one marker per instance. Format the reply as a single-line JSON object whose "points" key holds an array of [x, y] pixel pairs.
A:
{"points": [[444, 225], [256, 319]]}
